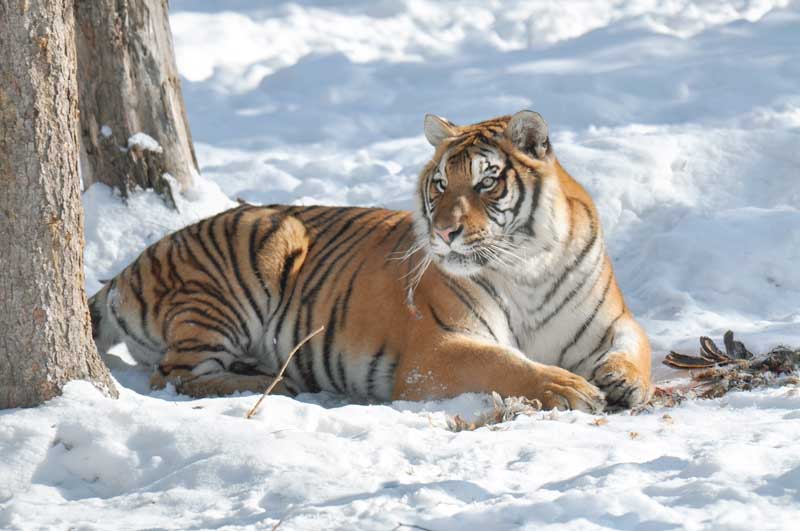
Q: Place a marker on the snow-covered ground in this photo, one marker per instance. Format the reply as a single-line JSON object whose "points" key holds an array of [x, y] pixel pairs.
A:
{"points": [[683, 120]]}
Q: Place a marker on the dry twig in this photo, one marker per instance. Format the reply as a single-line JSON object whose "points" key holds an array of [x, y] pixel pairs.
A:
{"points": [[279, 377]]}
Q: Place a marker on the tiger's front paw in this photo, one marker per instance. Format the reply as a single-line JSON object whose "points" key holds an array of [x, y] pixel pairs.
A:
{"points": [[623, 382], [561, 389]]}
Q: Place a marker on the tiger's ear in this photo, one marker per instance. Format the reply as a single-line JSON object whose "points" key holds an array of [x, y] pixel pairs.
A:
{"points": [[437, 129], [527, 130]]}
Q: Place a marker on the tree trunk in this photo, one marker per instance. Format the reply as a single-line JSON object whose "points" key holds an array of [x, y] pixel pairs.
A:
{"points": [[45, 330], [129, 84]]}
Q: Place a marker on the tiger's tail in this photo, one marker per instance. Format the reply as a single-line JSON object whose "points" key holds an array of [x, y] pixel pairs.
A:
{"points": [[105, 331]]}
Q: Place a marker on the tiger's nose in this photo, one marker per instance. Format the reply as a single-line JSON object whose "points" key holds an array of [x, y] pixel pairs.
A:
{"points": [[450, 233]]}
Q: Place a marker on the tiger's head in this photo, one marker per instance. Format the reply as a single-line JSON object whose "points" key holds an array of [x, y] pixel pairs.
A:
{"points": [[478, 194]]}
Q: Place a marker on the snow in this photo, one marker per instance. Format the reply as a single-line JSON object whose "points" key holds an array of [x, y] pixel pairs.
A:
{"points": [[161, 461], [682, 118], [143, 141]]}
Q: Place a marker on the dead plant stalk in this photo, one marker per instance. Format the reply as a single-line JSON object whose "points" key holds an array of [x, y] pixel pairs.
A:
{"points": [[279, 377]]}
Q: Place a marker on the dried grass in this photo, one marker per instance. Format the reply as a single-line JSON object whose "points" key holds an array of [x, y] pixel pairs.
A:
{"points": [[502, 410], [777, 367]]}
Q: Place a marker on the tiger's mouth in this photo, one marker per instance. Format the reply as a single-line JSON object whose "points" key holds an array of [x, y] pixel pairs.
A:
{"points": [[462, 263]]}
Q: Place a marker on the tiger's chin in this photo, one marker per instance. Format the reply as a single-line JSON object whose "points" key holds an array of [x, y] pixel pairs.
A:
{"points": [[460, 265]]}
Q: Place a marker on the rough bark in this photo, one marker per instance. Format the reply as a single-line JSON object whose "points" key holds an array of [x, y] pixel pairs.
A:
{"points": [[45, 330], [129, 84]]}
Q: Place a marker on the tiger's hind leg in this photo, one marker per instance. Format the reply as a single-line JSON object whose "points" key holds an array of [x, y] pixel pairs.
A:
{"points": [[207, 359], [220, 383]]}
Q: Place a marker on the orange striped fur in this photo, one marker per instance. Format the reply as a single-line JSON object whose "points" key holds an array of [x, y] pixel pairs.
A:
{"points": [[499, 281]]}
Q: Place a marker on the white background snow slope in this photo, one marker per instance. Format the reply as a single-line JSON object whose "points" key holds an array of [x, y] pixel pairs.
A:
{"points": [[683, 120]]}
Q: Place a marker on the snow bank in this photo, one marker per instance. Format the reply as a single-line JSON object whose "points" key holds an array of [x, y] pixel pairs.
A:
{"points": [[683, 120], [165, 462], [116, 231]]}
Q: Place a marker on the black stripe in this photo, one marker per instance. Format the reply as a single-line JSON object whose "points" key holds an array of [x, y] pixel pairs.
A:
{"points": [[207, 224], [349, 293], [221, 320], [231, 230], [229, 299], [494, 216], [181, 240], [210, 326], [222, 275], [300, 211], [161, 288], [308, 299], [195, 289], [522, 194], [305, 356], [575, 263], [441, 324], [200, 238], [573, 292], [598, 350], [342, 372], [276, 223], [401, 239], [333, 244], [329, 260], [626, 395], [498, 300], [178, 367], [326, 222], [392, 228], [286, 268], [187, 342], [287, 303], [586, 323], [123, 325], [172, 270], [138, 292], [203, 347], [212, 233], [537, 194], [323, 216], [506, 190], [373, 369], [469, 303], [246, 369], [327, 349], [253, 253]]}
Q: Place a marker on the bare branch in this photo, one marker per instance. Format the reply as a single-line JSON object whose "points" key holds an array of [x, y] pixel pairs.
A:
{"points": [[279, 377]]}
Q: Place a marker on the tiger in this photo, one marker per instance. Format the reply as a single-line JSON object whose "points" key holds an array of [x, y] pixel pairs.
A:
{"points": [[498, 281]]}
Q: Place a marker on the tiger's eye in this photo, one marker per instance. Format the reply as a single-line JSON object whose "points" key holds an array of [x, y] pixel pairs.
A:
{"points": [[487, 183], [440, 185]]}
